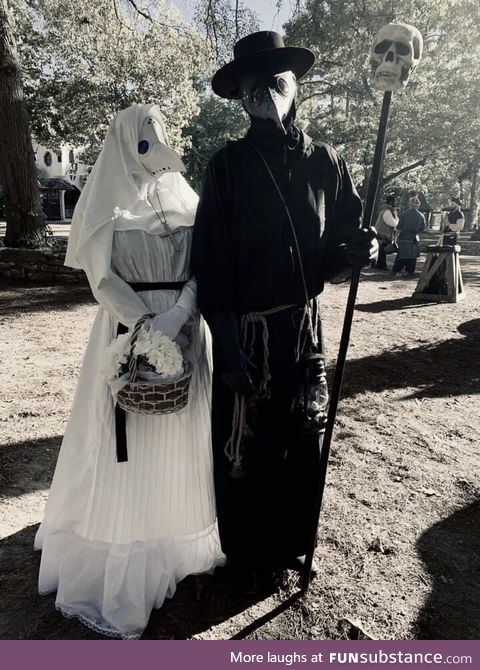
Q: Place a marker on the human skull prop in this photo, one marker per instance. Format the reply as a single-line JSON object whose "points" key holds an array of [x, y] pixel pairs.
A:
{"points": [[395, 54]]}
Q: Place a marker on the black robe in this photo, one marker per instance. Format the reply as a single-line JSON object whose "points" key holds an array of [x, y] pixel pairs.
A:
{"points": [[245, 259]]}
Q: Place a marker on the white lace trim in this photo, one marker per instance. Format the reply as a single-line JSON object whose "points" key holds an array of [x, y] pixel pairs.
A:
{"points": [[101, 630], [112, 589]]}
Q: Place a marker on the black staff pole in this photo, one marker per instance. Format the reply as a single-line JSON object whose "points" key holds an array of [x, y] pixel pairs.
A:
{"points": [[343, 348]]}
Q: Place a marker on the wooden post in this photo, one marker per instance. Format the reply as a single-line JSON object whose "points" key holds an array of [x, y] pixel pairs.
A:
{"points": [[441, 277]]}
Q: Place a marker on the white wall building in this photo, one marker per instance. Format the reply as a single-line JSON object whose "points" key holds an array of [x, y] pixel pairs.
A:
{"points": [[61, 163]]}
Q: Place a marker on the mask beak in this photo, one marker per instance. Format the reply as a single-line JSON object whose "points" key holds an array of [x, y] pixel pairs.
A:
{"points": [[272, 99], [154, 153], [276, 112], [160, 159]]}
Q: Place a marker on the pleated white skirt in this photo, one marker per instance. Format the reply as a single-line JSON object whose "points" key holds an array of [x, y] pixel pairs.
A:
{"points": [[118, 537]]}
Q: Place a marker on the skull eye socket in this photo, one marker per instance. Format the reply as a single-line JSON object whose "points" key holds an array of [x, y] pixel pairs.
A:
{"points": [[143, 146], [402, 48], [382, 47]]}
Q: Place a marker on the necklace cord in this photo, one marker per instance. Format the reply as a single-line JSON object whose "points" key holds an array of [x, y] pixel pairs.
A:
{"points": [[295, 238]]}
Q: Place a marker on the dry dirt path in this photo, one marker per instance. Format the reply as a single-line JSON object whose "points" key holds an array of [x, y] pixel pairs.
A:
{"points": [[400, 529]]}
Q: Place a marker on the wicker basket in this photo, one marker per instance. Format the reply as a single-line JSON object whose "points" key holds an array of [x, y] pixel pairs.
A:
{"points": [[153, 396]]}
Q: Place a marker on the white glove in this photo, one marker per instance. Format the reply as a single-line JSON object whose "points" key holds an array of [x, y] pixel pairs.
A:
{"points": [[170, 322]]}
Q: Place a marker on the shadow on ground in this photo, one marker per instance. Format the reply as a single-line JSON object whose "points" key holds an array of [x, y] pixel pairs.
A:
{"points": [[19, 299], [450, 550], [447, 368], [199, 603], [24, 615], [389, 305], [28, 466]]}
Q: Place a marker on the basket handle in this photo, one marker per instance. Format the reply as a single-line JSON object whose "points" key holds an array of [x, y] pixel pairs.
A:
{"points": [[132, 360]]}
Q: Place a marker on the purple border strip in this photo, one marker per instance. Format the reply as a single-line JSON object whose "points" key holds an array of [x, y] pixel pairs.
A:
{"points": [[227, 655]]}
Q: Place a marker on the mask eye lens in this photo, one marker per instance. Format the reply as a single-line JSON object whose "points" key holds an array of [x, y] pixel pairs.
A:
{"points": [[143, 146], [282, 86]]}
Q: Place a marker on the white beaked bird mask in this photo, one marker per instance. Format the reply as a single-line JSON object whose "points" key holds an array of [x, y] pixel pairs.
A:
{"points": [[155, 154], [135, 175]]}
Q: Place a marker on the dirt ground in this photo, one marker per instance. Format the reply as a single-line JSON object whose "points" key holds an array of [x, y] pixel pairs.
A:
{"points": [[399, 546]]}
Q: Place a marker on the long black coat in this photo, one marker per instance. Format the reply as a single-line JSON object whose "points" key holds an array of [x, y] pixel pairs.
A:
{"points": [[244, 259], [244, 255]]}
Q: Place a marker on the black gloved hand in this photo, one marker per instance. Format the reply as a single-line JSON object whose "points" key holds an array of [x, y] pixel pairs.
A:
{"points": [[240, 380], [361, 248]]}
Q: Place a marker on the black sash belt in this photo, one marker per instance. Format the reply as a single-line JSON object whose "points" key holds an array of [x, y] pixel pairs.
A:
{"points": [[156, 285], [120, 417]]}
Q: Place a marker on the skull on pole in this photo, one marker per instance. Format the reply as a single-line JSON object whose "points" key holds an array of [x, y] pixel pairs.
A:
{"points": [[395, 54]]}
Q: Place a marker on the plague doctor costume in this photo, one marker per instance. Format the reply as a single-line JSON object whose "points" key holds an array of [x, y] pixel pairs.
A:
{"points": [[117, 537], [278, 216]]}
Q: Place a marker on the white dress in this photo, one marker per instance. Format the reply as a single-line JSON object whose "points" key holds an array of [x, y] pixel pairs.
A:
{"points": [[118, 537]]}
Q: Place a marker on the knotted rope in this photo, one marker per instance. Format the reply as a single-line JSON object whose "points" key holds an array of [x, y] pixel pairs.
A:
{"points": [[248, 337], [308, 310], [239, 423]]}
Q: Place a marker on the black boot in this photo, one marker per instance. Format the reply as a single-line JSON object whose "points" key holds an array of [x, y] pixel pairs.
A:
{"points": [[249, 580]]}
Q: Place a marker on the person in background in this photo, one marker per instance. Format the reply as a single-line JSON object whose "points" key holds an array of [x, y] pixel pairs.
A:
{"points": [[453, 223], [410, 224], [386, 227]]}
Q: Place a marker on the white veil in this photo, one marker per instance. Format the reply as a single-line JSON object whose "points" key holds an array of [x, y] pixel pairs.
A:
{"points": [[116, 196]]}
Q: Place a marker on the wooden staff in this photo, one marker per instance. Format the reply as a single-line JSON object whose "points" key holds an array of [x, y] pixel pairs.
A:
{"points": [[391, 70], [344, 341]]}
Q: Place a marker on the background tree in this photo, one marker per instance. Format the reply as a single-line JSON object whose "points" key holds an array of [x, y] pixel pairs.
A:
{"points": [[217, 122], [83, 63], [224, 23], [23, 213], [433, 125]]}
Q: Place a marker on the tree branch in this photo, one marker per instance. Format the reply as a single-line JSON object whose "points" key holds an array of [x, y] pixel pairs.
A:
{"points": [[407, 168], [139, 11], [313, 82], [119, 18], [316, 94], [236, 20]]}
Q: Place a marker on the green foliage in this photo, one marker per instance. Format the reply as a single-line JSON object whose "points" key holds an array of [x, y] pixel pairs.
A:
{"points": [[435, 118], [84, 62], [217, 122], [224, 23]]}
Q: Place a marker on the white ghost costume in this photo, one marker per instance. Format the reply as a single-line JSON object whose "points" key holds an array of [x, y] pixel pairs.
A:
{"points": [[118, 537]]}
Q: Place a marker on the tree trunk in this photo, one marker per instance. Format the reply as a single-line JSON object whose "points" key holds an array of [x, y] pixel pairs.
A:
{"points": [[472, 218], [26, 225]]}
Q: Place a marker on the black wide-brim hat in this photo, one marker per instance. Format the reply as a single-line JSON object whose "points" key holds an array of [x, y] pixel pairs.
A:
{"points": [[262, 50]]}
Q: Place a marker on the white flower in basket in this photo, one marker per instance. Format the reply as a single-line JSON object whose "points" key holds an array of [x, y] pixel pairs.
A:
{"points": [[158, 354], [150, 375], [117, 355]]}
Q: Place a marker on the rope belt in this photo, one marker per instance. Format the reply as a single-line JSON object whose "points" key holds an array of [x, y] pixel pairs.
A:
{"points": [[120, 416], [248, 336]]}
